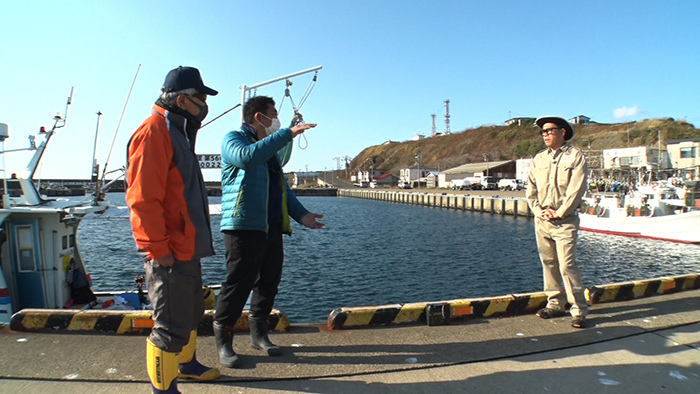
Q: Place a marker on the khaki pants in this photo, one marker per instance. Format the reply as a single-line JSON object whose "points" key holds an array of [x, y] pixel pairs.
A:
{"points": [[556, 242]]}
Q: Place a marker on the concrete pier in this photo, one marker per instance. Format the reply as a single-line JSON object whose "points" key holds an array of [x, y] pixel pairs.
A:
{"points": [[485, 203], [647, 345]]}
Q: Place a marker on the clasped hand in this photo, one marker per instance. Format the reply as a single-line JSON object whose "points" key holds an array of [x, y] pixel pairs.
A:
{"points": [[549, 214]]}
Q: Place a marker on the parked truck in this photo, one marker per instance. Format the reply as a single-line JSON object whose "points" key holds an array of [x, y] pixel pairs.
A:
{"points": [[473, 183]]}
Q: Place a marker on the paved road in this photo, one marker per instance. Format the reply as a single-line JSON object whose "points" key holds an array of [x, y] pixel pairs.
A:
{"points": [[649, 345]]}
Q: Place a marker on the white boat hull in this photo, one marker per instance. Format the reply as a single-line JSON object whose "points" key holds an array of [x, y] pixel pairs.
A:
{"points": [[683, 227]]}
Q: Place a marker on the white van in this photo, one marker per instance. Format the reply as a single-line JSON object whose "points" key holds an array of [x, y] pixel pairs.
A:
{"points": [[510, 184]]}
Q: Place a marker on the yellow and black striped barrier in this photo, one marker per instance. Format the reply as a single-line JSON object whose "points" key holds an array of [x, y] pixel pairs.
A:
{"points": [[117, 322], [508, 305], [436, 313], [643, 288]]}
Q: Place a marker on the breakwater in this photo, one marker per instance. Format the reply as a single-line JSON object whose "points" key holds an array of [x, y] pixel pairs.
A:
{"points": [[464, 202]]}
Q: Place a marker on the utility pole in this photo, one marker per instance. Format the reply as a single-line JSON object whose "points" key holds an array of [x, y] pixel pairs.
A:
{"points": [[659, 151], [418, 157], [487, 164]]}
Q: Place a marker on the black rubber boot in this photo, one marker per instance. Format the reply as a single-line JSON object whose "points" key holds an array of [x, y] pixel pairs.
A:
{"points": [[259, 338], [224, 345]]}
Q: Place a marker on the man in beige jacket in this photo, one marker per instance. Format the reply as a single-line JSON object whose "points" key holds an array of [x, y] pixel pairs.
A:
{"points": [[557, 183]]}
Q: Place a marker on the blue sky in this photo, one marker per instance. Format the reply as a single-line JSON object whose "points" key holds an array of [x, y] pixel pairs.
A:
{"points": [[387, 66]]}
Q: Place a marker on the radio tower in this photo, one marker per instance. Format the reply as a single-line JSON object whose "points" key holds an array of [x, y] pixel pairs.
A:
{"points": [[432, 131], [447, 116]]}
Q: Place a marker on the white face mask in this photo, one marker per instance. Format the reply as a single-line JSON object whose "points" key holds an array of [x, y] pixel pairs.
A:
{"points": [[276, 125]]}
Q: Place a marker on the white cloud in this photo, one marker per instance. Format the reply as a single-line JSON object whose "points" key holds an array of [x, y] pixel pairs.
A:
{"points": [[625, 112]]}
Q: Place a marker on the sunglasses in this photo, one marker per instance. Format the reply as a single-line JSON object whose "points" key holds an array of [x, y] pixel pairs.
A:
{"points": [[549, 131]]}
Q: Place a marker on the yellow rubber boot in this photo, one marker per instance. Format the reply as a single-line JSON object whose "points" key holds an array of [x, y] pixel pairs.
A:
{"points": [[162, 368], [190, 367]]}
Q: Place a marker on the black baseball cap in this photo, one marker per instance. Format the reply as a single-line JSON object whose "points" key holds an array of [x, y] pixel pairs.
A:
{"points": [[183, 78]]}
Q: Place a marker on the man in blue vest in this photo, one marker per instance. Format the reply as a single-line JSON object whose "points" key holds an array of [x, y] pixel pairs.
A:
{"points": [[256, 205]]}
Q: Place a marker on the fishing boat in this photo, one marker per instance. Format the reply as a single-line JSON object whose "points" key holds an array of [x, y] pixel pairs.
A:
{"points": [[41, 262], [663, 210]]}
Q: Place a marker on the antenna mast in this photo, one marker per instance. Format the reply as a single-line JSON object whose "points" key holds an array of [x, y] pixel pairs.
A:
{"points": [[447, 116], [432, 130]]}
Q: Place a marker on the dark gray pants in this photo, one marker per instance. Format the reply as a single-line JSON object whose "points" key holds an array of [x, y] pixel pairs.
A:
{"points": [[254, 262], [177, 300]]}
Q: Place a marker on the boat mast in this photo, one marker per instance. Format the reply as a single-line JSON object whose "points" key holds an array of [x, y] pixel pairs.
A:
{"points": [[29, 192], [95, 174], [58, 123]]}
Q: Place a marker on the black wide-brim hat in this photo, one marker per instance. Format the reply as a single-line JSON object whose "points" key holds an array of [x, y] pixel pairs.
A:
{"points": [[561, 122]]}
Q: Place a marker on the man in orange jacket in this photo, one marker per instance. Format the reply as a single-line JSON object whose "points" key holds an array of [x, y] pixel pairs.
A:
{"points": [[170, 221]]}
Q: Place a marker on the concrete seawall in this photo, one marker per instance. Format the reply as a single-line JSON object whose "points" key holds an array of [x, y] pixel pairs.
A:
{"points": [[465, 202]]}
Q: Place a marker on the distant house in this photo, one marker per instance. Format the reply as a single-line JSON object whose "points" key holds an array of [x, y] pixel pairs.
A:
{"points": [[417, 137], [581, 119], [414, 176], [367, 175], [645, 157], [387, 180], [685, 155], [431, 180], [523, 121]]}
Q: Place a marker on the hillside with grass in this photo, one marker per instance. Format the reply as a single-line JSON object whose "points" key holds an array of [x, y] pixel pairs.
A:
{"points": [[514, 142]]}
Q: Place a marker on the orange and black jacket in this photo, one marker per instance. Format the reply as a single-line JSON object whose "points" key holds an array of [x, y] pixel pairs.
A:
{"points": [[166, 194]]}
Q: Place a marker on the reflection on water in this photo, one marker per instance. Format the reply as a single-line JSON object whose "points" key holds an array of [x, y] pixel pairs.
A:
{"points": [[374, 252]]}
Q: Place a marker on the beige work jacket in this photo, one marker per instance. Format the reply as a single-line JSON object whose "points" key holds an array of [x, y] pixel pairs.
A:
{"points": [[557, 180]]}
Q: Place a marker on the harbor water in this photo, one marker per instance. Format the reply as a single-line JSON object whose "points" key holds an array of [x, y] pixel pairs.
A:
{"points": [[375, 252]]}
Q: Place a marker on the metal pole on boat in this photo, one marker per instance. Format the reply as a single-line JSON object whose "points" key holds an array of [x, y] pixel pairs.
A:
{"points": [[247, 88], [95, 169], [104, 170]]}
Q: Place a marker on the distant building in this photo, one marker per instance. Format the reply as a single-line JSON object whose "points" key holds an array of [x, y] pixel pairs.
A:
{"points": [[414, 176], [417, 137], [305, 178], [369, 175], [685, 156], [640, 157], [496, 169], [431, 180], [581, 119], [522, 121], [387, 180]]}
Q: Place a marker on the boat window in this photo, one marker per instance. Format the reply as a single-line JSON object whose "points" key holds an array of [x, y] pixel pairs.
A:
{"points": [[65, 242], [25, 245], [71, 240]]}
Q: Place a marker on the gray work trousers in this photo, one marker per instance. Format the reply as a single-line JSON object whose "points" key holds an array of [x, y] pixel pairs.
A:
{"points": [[556, 242], [177, 300]]}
